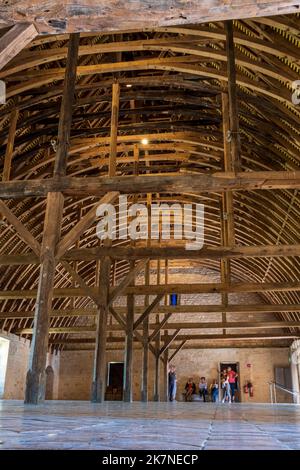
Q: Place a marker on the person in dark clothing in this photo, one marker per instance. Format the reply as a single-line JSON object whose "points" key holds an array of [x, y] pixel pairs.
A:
{"points": [[214, 390], [203, 388], [172, 383], [190, 389]]}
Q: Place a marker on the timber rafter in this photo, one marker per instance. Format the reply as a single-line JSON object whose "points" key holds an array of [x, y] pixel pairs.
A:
{"points": [[175, 76]]}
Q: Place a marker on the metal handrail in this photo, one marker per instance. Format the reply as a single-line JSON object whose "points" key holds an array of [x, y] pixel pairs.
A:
{"points": [[274, 385]]}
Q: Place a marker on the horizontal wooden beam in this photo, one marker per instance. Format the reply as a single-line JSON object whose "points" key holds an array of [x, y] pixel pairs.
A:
{"points": [[236, 337], [207, 288], [173, 326], [179, 251], [169, 251], [63, 16], [252, 308], [228, 345], [184, 183]]}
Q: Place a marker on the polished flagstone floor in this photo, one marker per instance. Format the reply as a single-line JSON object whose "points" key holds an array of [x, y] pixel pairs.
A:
{"points": [[155, 426]]}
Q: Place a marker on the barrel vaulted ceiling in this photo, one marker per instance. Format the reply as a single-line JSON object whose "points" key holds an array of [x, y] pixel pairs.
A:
{"points": [[171, 80]]}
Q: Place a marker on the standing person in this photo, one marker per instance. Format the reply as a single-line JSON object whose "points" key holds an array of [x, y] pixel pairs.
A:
{"points": [[190, 389], [203, 388], [172, 383], [226, 389], [232, 376], [214, 390]]}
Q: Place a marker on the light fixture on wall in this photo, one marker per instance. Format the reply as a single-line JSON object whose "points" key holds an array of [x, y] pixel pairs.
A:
{"points": [[145, 141]]}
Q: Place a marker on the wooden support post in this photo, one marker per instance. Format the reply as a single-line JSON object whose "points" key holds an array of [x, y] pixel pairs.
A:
{"points": [[144, 389], [129, 347], [68, 98], [166, 373], [10, 145], [35, 381], [114, 129], [99, 370], [231, 160], [232, 94], [156, 396]]}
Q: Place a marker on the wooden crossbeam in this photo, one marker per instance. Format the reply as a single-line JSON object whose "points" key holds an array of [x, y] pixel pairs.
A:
{"points": [[85, 222], [170, 251], [168, 310], [21, 230], [169, 340], [147, 311], [179, 348], [227, 337], [185, 183], [118, 290], [244, 325], [159, 327], [206, 288], [63, 16], [78, 279], [12, 42]]}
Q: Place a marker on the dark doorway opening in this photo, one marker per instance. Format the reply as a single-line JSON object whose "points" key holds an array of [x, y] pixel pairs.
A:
{"points": [[236, 368], [115, 377]]}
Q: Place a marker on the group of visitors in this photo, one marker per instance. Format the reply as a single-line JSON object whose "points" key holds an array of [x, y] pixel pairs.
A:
{"points": [[228, 385], [190, 390]]}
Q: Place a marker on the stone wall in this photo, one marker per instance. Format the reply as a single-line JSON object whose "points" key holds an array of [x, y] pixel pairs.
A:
{"points": [[16, 370], [76, 370], [17, 365]]}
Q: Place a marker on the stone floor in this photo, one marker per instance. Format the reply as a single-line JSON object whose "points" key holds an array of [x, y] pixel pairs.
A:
{"points": [[167, 426]]}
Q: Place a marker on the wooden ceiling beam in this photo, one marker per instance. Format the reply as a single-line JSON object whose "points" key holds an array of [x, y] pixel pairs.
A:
{"points": [[227, 337], [174, 326], [195, 183], [14, 40], [208, 288], [166, 309], [62, 16], [169, 310]]}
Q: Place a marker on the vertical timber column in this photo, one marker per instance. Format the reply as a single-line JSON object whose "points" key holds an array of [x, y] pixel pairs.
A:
{"points": [[99, 369], [127, 396], [112, 166], [166, 372], [35, 380], [144, 391], [157, 365], [232, 157], [10, 145], [232, 95]]}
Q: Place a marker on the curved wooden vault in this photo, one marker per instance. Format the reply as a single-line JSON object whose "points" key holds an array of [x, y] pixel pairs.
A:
{"points": [[215, 103]]}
